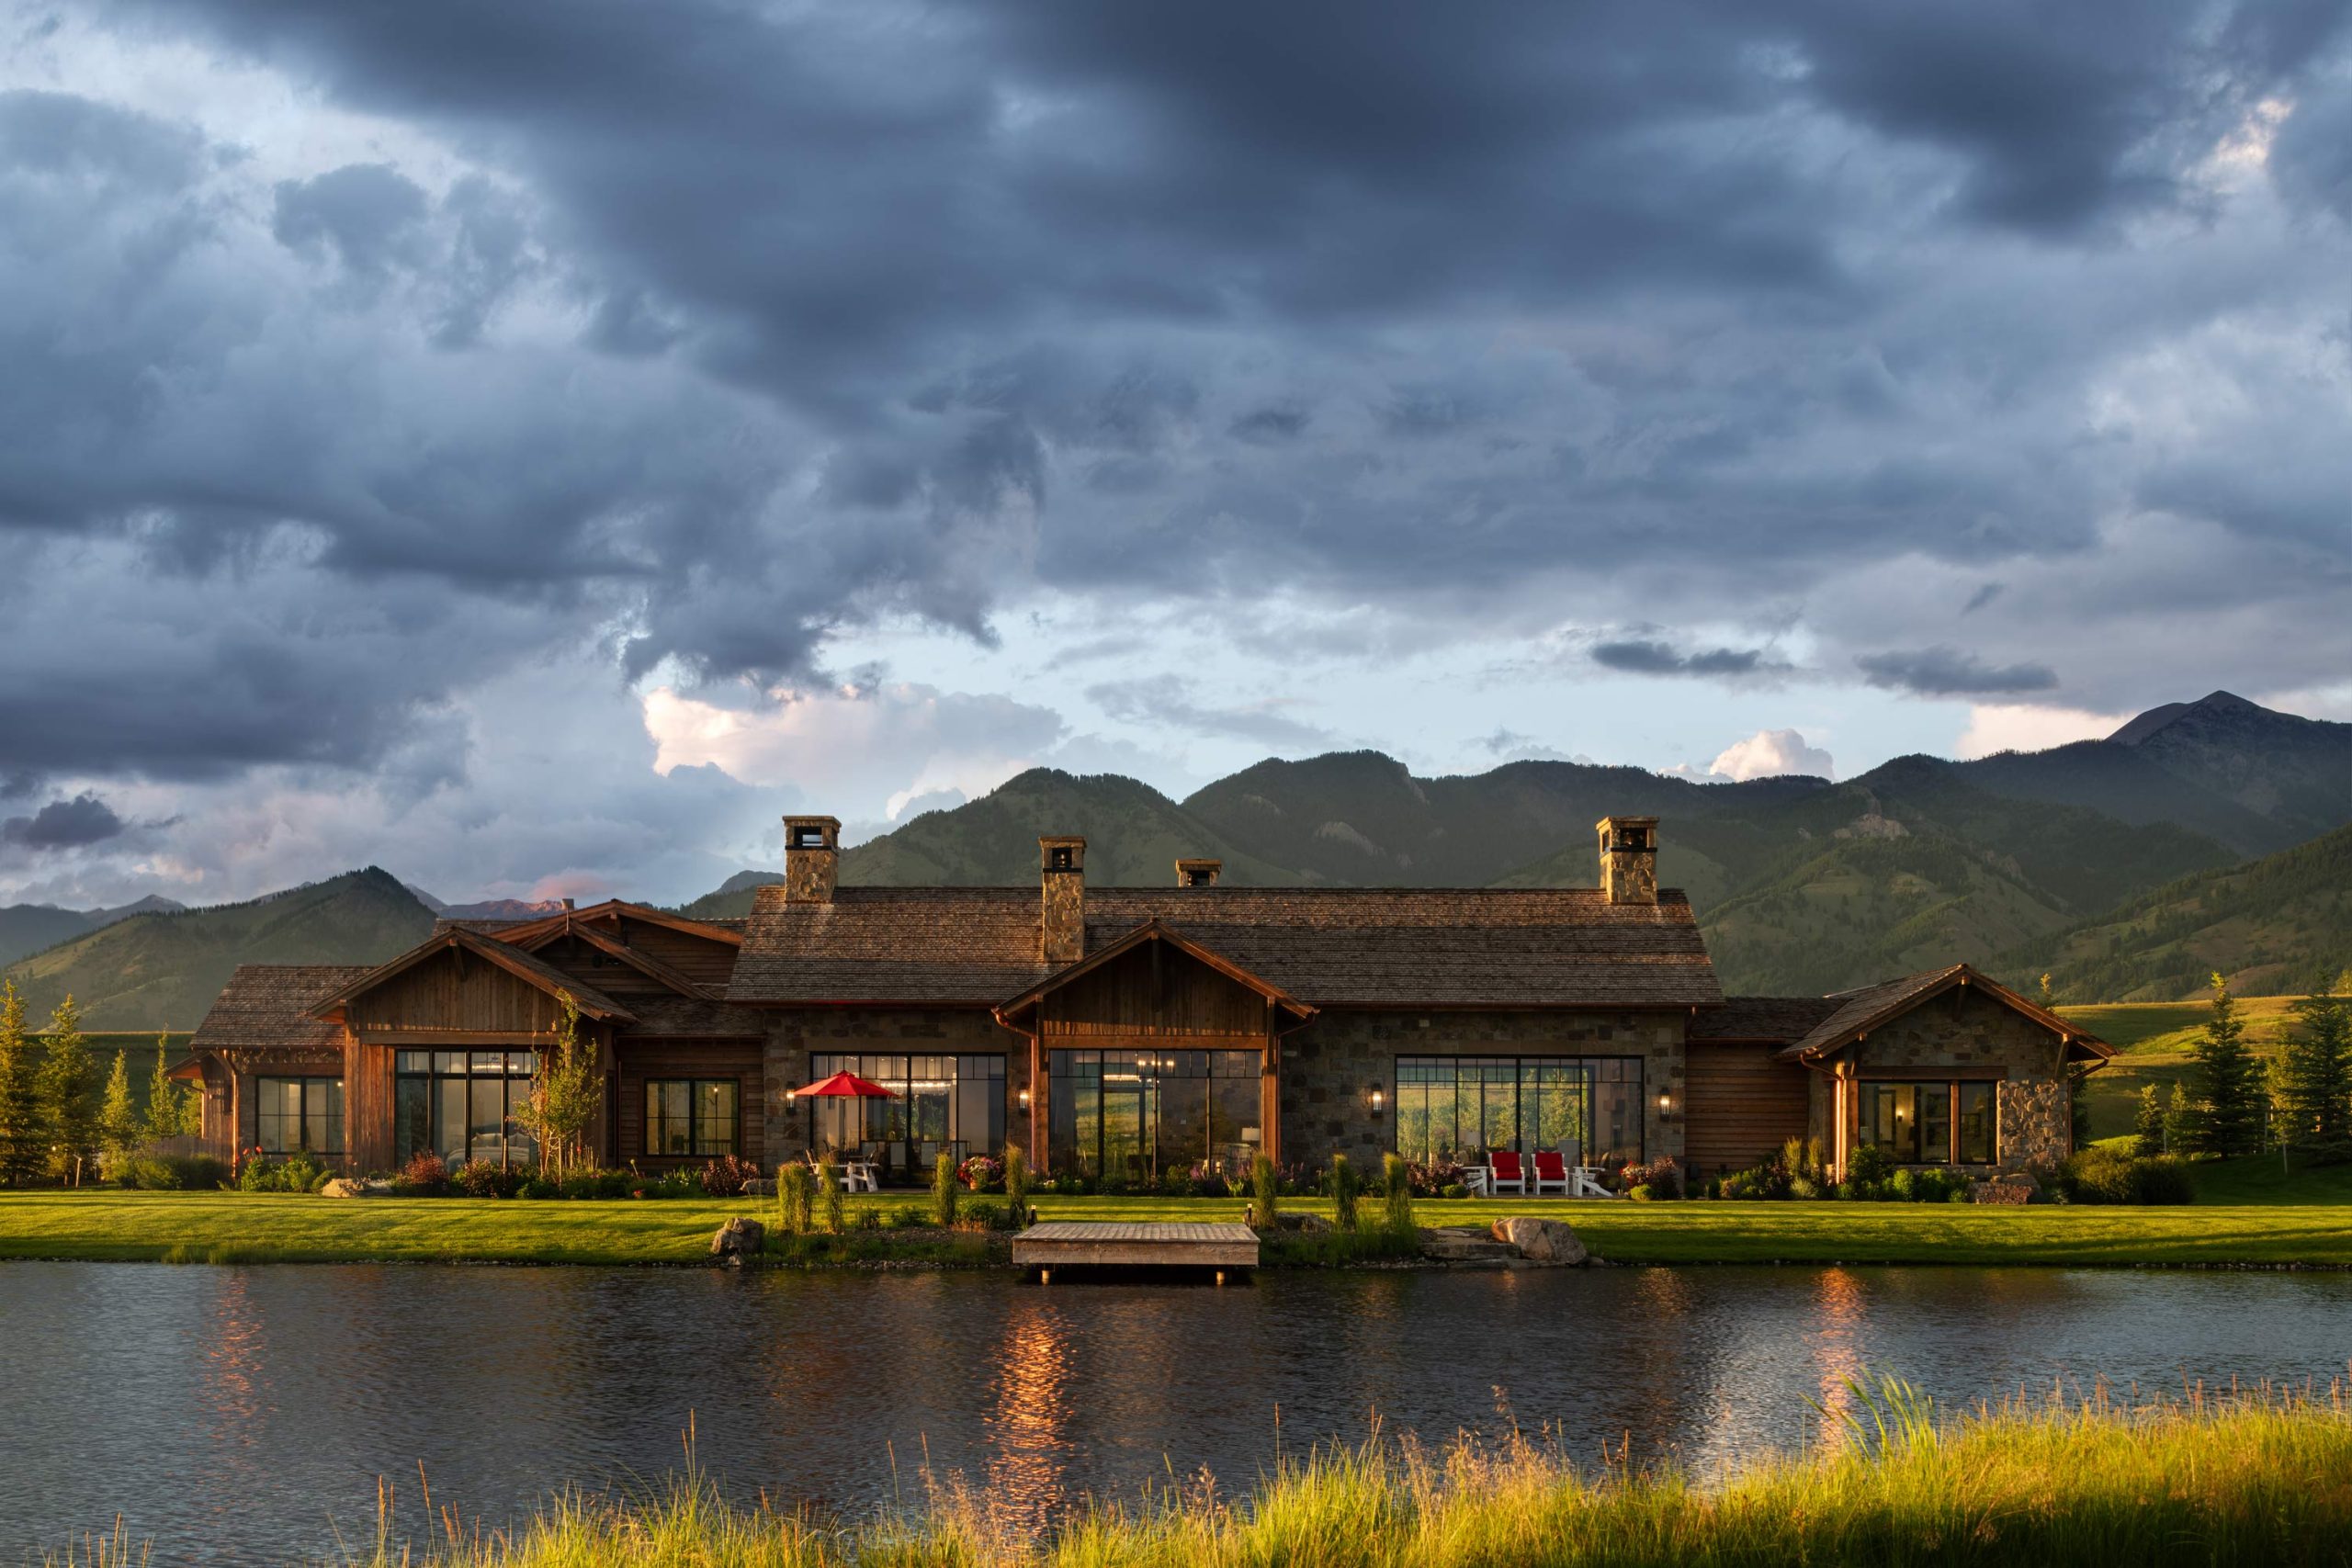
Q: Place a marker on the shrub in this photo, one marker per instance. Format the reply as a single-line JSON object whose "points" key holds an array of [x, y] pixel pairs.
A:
{"points": [[980, 1174], [2108, 1176], [537, 1185], [301, 1173], [613, 1184], [260, 1175], [424, 1176], [581, 1184], [173, 1173], [1175, 1183], [909, 1216], [1661, 1176], [727, 1175], [481, 1179], [944, 1189], [1431, 1180], [1804, 1187], [1868, 1165], [984, 1215], [1641, 1192], [1454, 1191], [1344, 1186], [796, 1194]]}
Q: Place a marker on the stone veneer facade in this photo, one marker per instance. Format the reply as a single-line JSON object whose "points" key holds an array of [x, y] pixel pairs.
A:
{"points": [[1329, 1066], [1966, 1034]]}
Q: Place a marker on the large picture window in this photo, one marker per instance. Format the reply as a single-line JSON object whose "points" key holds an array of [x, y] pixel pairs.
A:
{"points": [[463, 1105], [690, 1116], [1930, 1123], [940, 1103], [1459, 1108], [1135, 1113], [298, 1116]]}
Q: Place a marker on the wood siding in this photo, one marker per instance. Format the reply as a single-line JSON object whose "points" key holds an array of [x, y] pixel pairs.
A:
{"points": [[1157, 992], [643, 1059], [1740, 1106], [456, 993], [368, 1106], [697, 958]]}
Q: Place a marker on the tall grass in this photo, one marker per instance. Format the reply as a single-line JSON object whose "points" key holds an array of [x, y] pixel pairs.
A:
{"points": [[2253, 1480]]}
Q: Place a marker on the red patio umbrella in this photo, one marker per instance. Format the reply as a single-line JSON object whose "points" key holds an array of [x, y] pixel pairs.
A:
{"points": [[845, 1086]]}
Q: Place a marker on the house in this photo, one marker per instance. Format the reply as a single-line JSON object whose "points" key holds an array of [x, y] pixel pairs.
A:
{"points": [[1132, 1030]]}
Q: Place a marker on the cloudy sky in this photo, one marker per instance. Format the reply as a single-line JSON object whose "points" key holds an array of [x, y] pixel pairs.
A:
{"points": [[531, 447]]}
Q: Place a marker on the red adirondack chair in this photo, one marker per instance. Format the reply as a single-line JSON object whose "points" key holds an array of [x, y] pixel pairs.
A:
{"points": [[1504, 1172]]}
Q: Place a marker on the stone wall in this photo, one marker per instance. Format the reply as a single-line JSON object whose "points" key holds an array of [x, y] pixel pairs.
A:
{"points": [[797, 1033], [1329, 1065]]}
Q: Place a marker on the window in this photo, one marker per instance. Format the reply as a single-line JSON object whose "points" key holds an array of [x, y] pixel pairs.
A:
{"points": [[1930, 1123], [690, 1116], [1458, 1108], [299, 1115], [463, 1105], [955, 1103], [1136, 1113]]}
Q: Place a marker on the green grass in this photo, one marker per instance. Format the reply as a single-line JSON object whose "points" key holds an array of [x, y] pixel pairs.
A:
{"points": [[2254, 1482], [2153, 1042], [2248, 1214]]}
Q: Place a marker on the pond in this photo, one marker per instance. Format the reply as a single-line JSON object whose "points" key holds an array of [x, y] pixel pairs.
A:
{"points": [[244, 1415]]}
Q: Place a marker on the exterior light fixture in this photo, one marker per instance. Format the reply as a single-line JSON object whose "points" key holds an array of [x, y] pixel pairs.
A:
{"points": [[1379, 1099], [1665, 1103], [1025, 1100]]}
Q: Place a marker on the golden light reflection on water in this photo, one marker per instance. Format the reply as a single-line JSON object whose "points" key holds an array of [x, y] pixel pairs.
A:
{"points": [[1028, 1422], [1837, 1360]]}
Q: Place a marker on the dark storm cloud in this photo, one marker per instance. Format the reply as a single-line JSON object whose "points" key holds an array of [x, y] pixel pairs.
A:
{"points": [[70, 824], [882, 311], [1949, 672], [1643, 656]]}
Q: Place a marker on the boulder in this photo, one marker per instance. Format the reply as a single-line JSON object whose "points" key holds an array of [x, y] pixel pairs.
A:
{"points": [[737, 1239], [1304, 1223], [1540, 1241], [2002, 1191], [759, 1187], [341, 1186]]}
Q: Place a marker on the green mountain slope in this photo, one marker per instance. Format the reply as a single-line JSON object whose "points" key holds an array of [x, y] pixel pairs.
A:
{"points": [[162, 970], [2269, 924], [28, 928]]}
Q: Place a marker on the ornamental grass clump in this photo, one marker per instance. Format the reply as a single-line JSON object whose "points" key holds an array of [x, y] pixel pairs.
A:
{"points": [[1397, 1183], [944, 1190], [829, 1196], [1265, 1187], [1344, 1189], [1016, 1184], [796, 1198]]}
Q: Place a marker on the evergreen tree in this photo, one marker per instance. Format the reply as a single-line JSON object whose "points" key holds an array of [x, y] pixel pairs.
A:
{"points": [[566, 1094], [23, 1149], [2148, 1124], [69, 1118], [2225, 1081], [171, 1113], [2177, 1121], [118, 1125], [2315, 1086]]}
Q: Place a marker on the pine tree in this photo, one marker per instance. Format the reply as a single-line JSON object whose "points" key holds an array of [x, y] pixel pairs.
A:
{"points": [[118, 1125], [2148, 1124], [68, 1118], [170, 1112], [2177, 1121], [2225, 1080], [2315, 1086], [23, 1150]]}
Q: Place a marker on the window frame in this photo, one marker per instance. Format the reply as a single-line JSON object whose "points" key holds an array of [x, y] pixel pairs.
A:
{"points": [[328, 1086], [1482, 1076], [1960, 1138], [698, 1145], [441, 1066]]}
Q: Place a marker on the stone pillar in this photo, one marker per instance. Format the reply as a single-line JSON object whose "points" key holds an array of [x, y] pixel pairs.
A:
{"points": [[1062, 875], [1629, 859], [812, 853]]}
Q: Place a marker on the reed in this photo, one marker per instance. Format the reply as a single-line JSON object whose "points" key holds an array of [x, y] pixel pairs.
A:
{"points": [[1885, 1479]]}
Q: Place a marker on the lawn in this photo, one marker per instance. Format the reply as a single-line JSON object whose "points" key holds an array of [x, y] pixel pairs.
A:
{"points": [[2251, 1215], [2153, 1042]]}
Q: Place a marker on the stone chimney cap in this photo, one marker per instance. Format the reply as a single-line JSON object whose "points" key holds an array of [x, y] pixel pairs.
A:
{"points": [[812, 832], [1061, 852], [1198, 873]]}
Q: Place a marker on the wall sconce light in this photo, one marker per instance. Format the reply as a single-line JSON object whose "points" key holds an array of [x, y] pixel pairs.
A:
{"points": [[1666, 1104], [1379, 1102], [1025, 1100]]}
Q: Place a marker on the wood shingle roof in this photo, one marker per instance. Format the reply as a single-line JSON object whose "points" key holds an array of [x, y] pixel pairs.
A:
{"points": [[1365, 946], [266, 1007]]}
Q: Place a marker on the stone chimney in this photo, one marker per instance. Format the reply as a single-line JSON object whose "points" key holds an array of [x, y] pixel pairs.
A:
{"points": [[1198, 873], [1061, 862], [1629, 859], [812, 850]]}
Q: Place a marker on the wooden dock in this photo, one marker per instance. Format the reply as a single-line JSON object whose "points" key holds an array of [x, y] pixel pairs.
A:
{"points": [[1068, 1244]]}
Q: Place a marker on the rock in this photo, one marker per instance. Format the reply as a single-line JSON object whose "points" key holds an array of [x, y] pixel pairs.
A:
{"points": [[2024, 1179], [1467, 1246], [1305, 1225], [341, 1186], [2002, 1191], [737, 1239], [759, 1187], [1540, 1241]]}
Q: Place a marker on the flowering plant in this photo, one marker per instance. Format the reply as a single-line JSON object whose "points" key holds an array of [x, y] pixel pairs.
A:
{"points": [[980, 1173]]}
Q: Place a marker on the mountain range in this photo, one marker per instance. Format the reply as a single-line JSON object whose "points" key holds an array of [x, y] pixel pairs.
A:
{"points": [[2198, 836], [28, 928]]}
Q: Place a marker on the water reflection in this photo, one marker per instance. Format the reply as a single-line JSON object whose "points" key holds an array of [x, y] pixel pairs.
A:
{"points": [[269, 1403], [1837, 1356]]}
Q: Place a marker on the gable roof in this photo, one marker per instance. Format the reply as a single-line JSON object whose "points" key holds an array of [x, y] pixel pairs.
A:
{"points": [[1361, 946], [621, 953], [266, 1007], [1859, 1011], [728, 929], [525, 966], [1149, 932]]}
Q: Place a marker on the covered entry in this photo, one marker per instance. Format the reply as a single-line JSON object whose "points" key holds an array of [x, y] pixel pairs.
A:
{"points": [[1156, 1054]]}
